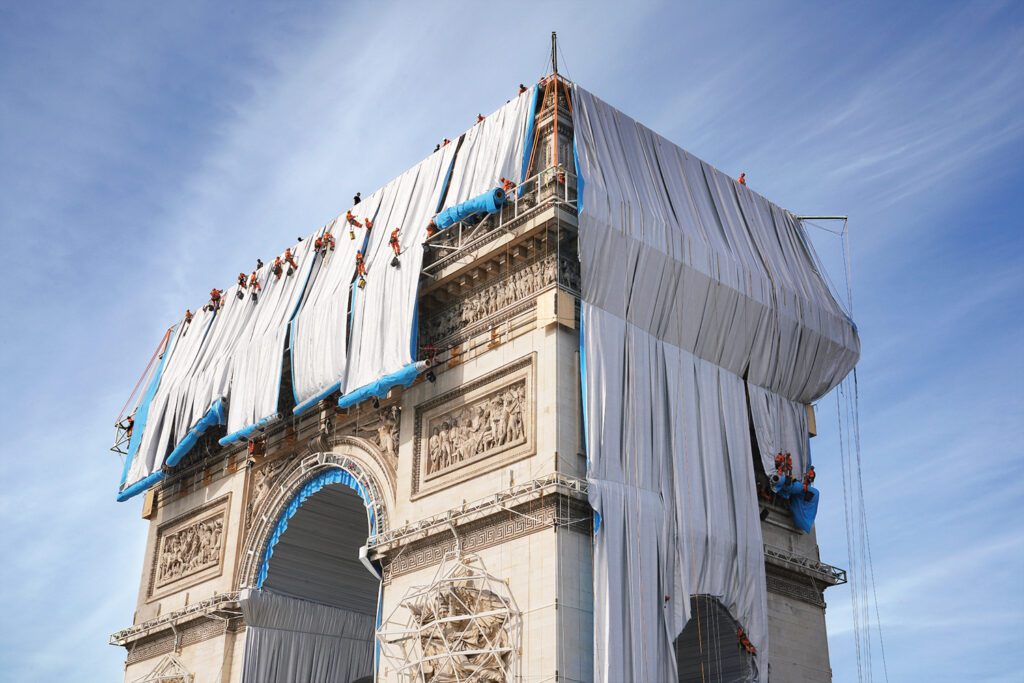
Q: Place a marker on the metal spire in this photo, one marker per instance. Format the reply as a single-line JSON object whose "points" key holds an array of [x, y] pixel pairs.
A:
{"points": [[554, 52]]}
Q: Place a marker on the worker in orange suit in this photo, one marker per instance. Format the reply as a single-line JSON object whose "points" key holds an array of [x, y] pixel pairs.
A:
{"points": [[480, 118], [254, 286], [277, 268], [780, 463], [789, 465], [361, 269], [188, 316], [396, 246], [507, 184], [215, 300], [352, 220], [239, 294], [742, 180], [745, 641], [808, 480], [290, 260]]}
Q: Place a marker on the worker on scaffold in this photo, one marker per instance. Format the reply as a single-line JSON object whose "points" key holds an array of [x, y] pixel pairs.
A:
{"points": [[240, 292]]}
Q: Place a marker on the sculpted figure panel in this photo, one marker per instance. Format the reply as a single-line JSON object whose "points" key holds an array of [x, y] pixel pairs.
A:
{"points": [[487, 425], [190, 549], [482, 425]]}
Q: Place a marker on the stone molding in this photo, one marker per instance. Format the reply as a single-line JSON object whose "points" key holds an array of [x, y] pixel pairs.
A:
{"points": [[551, 511], [478, 427], [189, 549], [497, 301]]}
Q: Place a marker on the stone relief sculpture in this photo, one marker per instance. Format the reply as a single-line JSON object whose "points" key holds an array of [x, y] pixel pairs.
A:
{"points": [[461, 628], [489, 424], [385, 431], [190, 549], [518, 286]]}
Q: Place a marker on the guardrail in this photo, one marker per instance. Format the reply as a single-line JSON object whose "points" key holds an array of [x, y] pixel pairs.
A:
{"points": [[820, 570], [222, 605]]}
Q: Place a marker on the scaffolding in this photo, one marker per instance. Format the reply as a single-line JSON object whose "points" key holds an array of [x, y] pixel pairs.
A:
{"points": [[506, 499], [551, 187], [462, 627]]}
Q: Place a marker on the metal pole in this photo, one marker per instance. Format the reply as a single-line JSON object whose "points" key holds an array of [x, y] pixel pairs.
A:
{"points": [[823, 218], [554, 52]]}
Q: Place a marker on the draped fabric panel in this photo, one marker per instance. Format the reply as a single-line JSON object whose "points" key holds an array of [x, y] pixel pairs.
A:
{"points": [[671, 478], [691, 283], [745, 288], [238, 358], [491, 150], [288, 640], [781, 427], [384, 310], [256, 360]]}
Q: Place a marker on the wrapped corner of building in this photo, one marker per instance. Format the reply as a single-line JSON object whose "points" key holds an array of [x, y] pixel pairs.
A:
{"points": [[691, 283]]}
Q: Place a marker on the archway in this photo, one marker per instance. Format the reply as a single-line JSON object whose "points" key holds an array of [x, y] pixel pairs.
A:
{"points": [[312, 612], [708, 648]]}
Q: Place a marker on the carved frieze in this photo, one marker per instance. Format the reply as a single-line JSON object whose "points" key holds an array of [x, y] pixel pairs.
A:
{"points": [[384, 431], [190, 549], [494, 422], [483, 425], [502, 295]]}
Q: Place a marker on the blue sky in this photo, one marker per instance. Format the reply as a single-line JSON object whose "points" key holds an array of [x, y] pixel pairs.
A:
{"points": [[149, 151]]}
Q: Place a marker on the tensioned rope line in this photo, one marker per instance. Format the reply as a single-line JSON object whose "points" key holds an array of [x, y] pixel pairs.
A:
{"points": [[864, 522]]}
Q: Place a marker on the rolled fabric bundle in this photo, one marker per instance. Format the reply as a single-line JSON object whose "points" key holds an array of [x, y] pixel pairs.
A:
{"points": [[486, 203]]}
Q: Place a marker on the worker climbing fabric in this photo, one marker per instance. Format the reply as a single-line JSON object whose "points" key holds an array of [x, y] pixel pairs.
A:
{"points": [[690, 283]]}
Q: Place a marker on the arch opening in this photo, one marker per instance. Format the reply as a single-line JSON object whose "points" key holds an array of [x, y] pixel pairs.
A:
{"points": [[708, 648], [314, 611]]}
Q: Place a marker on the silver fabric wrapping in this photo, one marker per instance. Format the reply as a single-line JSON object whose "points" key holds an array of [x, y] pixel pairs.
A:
{"points": [[691, 283], [289, 640]]}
